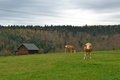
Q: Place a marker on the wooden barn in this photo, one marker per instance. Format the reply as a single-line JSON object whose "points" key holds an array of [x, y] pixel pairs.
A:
{"points": [[27, 48]]}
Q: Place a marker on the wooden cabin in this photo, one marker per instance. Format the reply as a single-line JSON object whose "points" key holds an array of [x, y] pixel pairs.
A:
{"points": [[27, 48]]}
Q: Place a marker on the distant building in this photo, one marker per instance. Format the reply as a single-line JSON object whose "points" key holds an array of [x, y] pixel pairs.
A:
{"points": [[27, 48]]}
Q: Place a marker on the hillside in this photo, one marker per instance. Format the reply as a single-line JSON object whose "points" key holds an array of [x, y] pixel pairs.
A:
{"points": [[53, 38], [104, 65]]}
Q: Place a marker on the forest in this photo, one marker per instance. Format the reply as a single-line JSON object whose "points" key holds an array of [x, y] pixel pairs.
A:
{"points": [[53, 38]]}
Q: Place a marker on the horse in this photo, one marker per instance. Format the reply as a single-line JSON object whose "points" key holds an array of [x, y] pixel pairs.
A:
{"points": [[87, 50], [70, 48]]}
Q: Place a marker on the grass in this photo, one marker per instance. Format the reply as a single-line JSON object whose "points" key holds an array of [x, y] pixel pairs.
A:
{"points": [[104, 65]]}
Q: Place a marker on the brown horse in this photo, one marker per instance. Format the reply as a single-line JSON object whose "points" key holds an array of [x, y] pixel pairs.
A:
{"points": [[69, 48], [87, 49]]}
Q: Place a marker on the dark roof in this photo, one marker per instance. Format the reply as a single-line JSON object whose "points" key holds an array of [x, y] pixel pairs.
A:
{"points": [[30, 46]]}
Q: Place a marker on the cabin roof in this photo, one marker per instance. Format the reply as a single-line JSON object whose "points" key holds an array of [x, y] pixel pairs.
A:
{"points": [[30, 46]]}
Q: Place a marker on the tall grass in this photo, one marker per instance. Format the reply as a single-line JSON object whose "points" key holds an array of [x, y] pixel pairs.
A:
{"points": [[104, 65]]}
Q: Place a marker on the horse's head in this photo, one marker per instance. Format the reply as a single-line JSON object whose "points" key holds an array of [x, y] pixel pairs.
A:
{"points": [[88, 47]]}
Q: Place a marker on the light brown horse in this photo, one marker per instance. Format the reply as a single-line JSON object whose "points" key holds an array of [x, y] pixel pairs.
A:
{"points": [[69, 48], [87, 50]]}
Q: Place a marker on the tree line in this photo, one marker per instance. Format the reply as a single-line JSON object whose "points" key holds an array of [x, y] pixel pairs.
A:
{"points": [[53, 38]]}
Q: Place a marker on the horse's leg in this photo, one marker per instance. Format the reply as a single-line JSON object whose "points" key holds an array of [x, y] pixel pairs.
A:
{"points": [[74, 51], [90, 55], [85, 55], [65, 50]]}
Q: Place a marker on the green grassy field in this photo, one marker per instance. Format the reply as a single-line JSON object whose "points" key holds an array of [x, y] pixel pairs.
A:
{"points": [[104, 65]]}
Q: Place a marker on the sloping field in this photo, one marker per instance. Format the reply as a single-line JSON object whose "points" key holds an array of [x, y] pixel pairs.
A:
{"points": [[104, 65]]}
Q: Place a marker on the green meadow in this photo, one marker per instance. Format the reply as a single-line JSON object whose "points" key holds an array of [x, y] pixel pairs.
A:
{"points": [[104, 65]]}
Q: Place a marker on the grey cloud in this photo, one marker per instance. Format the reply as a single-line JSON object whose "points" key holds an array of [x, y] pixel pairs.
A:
{"points": [[6, 7], [13, 4], [36, 7], [114, 17], [27, 9], [97, 5], [54, 6]]}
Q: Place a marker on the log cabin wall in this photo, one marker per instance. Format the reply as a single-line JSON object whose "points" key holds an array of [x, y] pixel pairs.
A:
{"points": [[22, 50]]}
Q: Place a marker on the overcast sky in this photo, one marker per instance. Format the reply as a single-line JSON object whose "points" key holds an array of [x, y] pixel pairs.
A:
{"points": [[59, 12]]}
